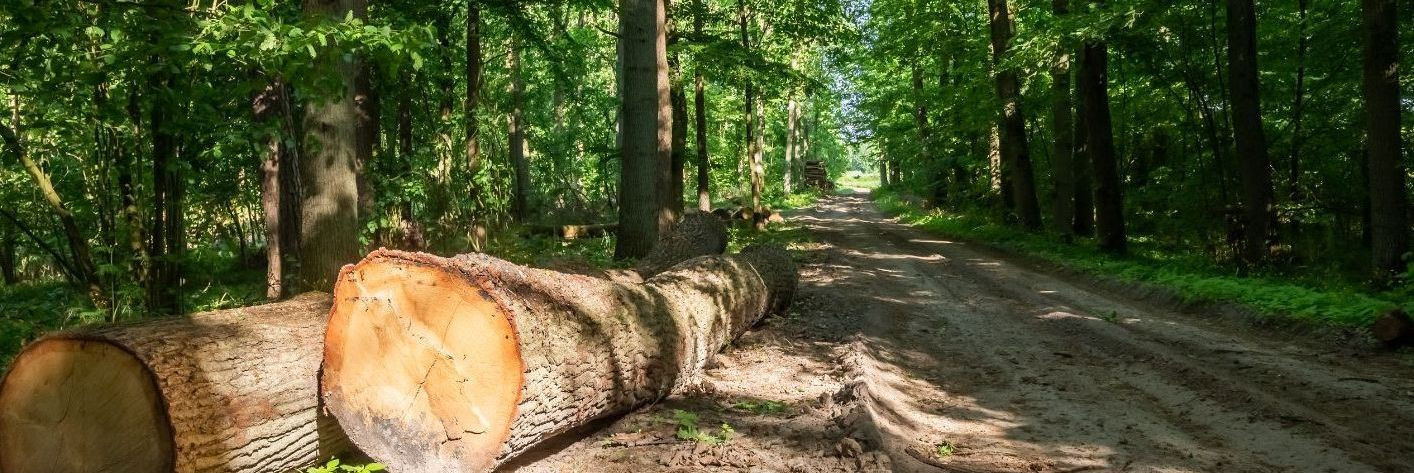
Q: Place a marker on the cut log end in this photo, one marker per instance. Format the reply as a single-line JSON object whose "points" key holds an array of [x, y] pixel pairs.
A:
{"points": [[1394, 329], [78, 405], [460, 380]]}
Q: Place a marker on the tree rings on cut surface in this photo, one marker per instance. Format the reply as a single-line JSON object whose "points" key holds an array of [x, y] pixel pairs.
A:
{"points": [[459, 381], [79, 405]]}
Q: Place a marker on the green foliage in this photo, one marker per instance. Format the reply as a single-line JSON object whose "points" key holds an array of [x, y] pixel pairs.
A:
{"points": [[687, 429], [1328, 299], [945, 449], [335, 466]]}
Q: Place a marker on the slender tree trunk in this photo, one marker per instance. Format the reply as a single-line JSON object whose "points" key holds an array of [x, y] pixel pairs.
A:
{"points": [[1062, 146], [369, 109], [520, 195], [1015, 151], [1099, 137], [1084, 190], [646, 124], [1255, 165], [477, 233], [758, 169], [1298, 105], [7, 255], [704, 161], [1389, 224], [674, 194], [792, 124], [329, 217], [265, 107]]}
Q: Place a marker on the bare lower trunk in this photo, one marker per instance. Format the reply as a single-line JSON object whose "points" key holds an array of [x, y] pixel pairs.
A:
{"points": [[459, 364], [232, 390], [1389, 208], [1255, 165]]}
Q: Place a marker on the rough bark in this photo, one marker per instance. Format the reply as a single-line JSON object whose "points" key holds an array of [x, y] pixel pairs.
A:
{"points": [[697, 234], [520, 194], [459, 364], [328, 176], [1389, 221], [1062, 125], [1255, 166], [1099, 145], [646, 124], [704, 163], [232, 391], [1016, 154], [673, 194], [265, 106]]}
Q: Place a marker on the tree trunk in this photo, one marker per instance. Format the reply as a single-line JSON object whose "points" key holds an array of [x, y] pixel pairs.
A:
{"points": [[1303, 41], [473, 83], [1084, 190], [1016, 154], [704, 162], [920, 123], [369, 111], [520, 195], [697, 234], [266, 107], [672, 195], [8, 262], [328, 178], [646, 125], [758, 168], [1099, 146], [1256, 171], [233, 390], [477, 360], [1389, 224], [1062, 125]]}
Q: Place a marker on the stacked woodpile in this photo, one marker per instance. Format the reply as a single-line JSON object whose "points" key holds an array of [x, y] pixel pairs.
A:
{"points": [[815, 175], [428, 364]]}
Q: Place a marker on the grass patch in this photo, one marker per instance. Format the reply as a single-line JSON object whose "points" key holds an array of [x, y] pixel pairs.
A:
{"points": [[1318, 300]]}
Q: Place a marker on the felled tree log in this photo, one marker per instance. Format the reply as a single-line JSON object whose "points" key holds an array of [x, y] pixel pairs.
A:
{"points": [[230, 391], [459, 364], [1394, 328]]}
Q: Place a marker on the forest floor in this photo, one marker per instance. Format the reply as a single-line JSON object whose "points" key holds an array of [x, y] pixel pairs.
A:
{"points": [[908, 352]]}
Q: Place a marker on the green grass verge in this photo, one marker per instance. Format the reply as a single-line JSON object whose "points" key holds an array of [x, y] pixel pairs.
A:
{"points": [[1315, 300]]}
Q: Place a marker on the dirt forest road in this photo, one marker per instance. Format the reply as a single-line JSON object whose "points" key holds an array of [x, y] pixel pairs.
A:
{"points": [[909, 352]]}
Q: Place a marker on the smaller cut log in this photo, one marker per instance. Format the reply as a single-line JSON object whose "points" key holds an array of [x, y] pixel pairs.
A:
{"points": [[1394, 328], [696, 234], [225, 391]]}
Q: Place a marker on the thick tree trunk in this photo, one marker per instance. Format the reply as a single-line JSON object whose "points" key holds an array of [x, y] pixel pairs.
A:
{"points": [[1084, 224], [1099, 147], [232, 390], [646, 125], [459, 364], [520, 194], [1062, 125], [369, 111], [1016, 154], [1389, 223], [1255, 166], [328, 178]]}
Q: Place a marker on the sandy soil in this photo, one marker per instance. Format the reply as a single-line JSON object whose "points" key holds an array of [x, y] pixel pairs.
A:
{"points": [[908, 352]]}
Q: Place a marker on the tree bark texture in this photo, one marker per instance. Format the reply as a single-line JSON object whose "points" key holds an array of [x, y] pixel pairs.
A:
{"points": [[1016, 155], [1062, 125], [229, 391], [1389, 208], [460, 364], [1254, 164], [646, 125], [1099, 147], [329, 227]]}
